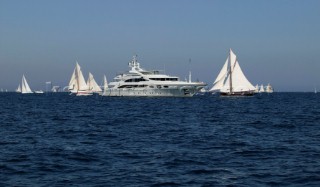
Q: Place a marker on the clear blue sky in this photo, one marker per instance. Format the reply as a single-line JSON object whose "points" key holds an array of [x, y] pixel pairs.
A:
{"points": [[276, 41]]}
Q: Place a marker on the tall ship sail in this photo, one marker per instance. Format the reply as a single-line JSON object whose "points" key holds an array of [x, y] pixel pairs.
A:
{"points": [[140, 82], [92, 84], [77, 84], [25, 88], [231, 81]]}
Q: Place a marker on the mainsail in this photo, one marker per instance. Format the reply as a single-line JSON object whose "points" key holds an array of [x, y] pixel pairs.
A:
{"points": [[231, 79], [92, 84], [25, 88]]}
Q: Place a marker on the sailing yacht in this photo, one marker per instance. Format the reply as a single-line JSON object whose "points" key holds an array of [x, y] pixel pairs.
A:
{"points": [[25, 88], [77, 84], [140, 82], [92, 84], [269, 88], [231, 81]]}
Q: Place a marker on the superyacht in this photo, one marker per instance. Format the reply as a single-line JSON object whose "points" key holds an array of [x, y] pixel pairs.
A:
{"points": [[140, 82]]}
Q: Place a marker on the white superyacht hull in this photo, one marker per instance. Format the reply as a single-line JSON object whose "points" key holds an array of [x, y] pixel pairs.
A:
{"points": [[143, 92], [138, 82]]}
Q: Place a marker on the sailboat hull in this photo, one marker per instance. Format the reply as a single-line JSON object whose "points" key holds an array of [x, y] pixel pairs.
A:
{"points": [[83, 93], [237, 93]]}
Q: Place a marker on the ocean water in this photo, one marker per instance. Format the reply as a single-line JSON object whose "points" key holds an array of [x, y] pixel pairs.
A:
{"points": [[62, 140]]}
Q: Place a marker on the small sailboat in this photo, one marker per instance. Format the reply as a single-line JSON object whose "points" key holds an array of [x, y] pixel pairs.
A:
{"points": [[25, 88], [231, 81], [315, 90], [261, 89], [256, 89], [269, 88], [92, 84], [77, 84]]}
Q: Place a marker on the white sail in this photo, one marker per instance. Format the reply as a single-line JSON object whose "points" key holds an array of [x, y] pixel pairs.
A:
{"points": [[25, 88], [220, 80], [73, 84], [261, 89], [239, 81], [82, 85], [232, 75], [92, 84], [18, 89], [105, 83]]}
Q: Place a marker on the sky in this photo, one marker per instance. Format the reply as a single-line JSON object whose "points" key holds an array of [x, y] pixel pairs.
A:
{"points": [[276, 41]]}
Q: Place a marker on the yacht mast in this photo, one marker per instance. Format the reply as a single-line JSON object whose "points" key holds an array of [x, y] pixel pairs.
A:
{"points": [[189, 70]]}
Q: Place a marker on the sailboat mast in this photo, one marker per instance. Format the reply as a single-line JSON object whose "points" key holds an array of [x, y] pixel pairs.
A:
{"points": [[230, 72]]}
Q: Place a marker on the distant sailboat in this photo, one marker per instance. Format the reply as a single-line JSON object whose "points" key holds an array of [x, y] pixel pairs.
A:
{"points": [[315, 90], [261, 89], [269, 89], [92, 84], [77, 84], [25, 88], [256, 89], [231, 81]]}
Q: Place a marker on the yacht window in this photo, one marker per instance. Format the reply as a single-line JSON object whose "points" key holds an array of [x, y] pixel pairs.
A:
{"points": [[165, 86], [164, 79], [136, 80]]}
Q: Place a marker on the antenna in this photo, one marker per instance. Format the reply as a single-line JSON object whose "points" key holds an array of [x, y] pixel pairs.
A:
{"points": [[189, 70]]}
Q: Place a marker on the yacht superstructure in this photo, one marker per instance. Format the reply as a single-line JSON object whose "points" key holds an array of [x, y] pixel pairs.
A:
{"points": [[140, 82]]}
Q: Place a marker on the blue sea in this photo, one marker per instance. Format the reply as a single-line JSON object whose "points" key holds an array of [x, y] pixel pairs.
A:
{"points": [[62, 140]]}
